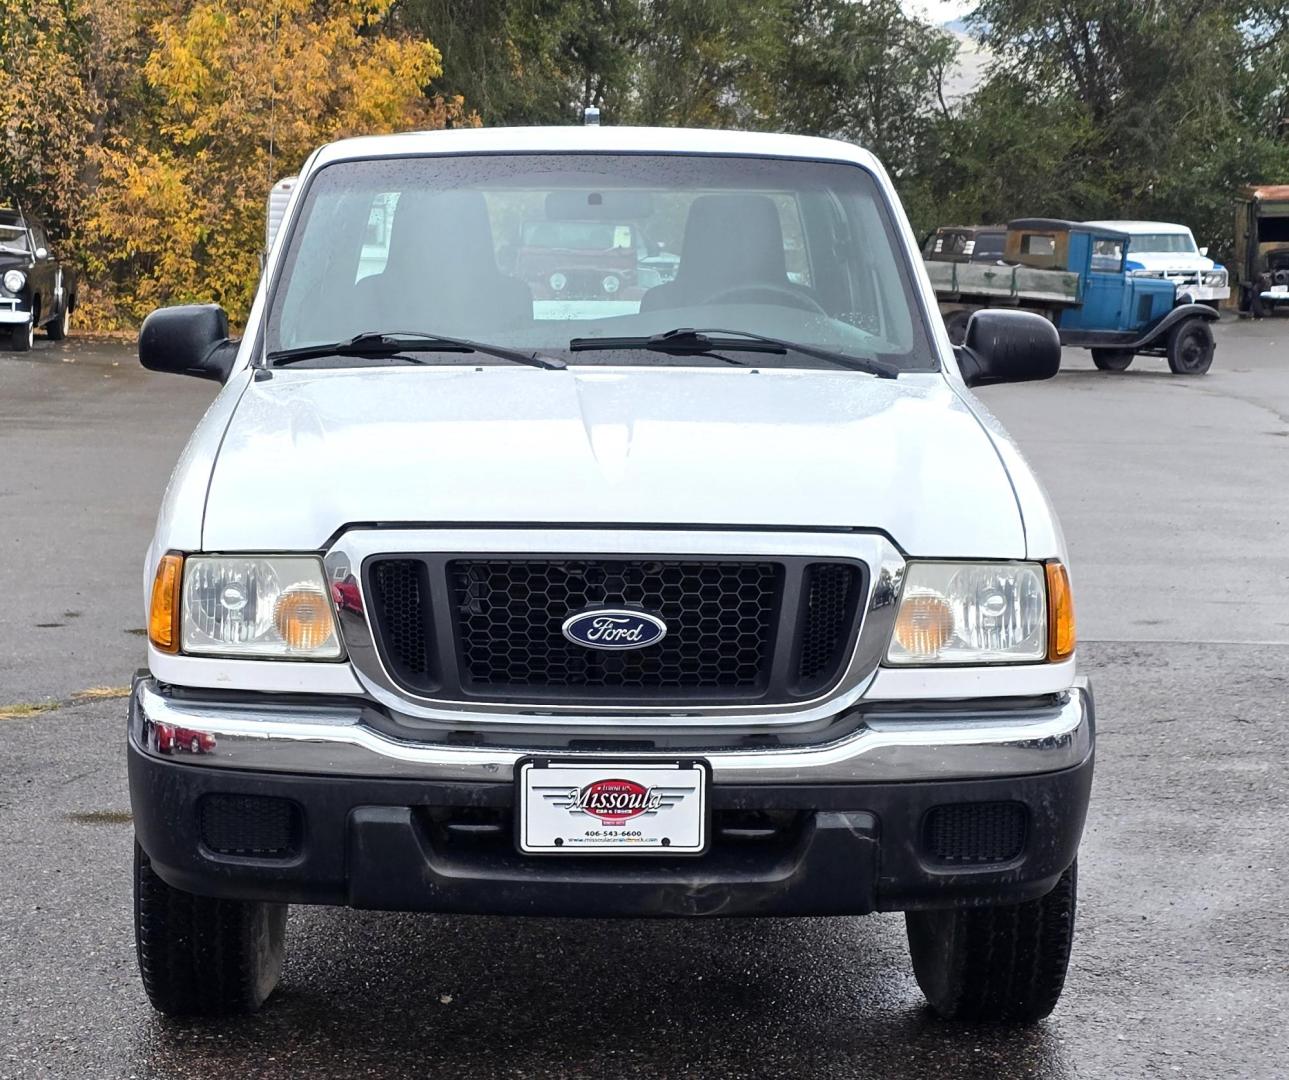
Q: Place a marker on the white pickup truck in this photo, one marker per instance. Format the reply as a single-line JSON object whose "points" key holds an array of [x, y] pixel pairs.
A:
{"points": [[728, 599]]}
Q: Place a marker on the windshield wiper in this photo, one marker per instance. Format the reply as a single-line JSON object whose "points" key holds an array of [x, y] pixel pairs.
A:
{"points": [[685, 341], [391, 343]]}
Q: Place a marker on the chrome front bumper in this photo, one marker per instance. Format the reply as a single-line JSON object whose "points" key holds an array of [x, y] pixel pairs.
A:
{"points": [[1203, 293], [955, 741]]}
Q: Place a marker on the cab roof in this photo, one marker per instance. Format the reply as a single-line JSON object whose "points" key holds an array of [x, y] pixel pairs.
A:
{"points": [[594, 139], [1136, 228], [1269, 192], [1062, 225]]}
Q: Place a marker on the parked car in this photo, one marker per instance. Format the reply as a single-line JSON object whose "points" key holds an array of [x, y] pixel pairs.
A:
{"points": [[1169, 252], [966, 243], [167, 739], [1262, 248], [1077, 276], [36, 290], [578, 260], [490, 609]]}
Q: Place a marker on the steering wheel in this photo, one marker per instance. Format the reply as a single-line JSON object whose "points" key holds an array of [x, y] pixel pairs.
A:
{"points": [[779, 294]]}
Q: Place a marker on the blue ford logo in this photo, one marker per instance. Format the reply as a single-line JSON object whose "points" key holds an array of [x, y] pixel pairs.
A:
{"points": [[614, 628]]}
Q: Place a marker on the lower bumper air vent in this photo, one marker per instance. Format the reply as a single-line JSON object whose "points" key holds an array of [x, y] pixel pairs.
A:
{"points": [[972, 834], [255, 826]]}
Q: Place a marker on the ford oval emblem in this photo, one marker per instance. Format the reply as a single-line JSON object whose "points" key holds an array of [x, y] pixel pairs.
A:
{"points": [[614, 628]]}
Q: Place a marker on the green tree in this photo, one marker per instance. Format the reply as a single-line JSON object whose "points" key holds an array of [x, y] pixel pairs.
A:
{"points": [[866, 72], [1164, 106]]}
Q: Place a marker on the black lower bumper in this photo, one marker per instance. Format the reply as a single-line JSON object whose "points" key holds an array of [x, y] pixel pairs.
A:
{"points": [[776, 850]]}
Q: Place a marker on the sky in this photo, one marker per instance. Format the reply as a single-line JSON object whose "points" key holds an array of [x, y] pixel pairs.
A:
{"points": [[939, 11]]}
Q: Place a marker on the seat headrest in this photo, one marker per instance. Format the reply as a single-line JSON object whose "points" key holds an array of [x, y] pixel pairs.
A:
{"points": [[442, 235], [732, 240]]}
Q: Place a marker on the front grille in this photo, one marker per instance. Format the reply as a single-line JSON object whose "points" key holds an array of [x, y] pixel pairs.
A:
{"points": [[258, 826], [763, 631], [828, 615], [400, 592], [975, 833], [720, 619]]}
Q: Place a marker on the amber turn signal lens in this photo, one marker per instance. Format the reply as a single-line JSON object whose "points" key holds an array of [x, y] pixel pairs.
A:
{"points": [[1061, 637], [924, 625], [303, 618], [163, 616]]}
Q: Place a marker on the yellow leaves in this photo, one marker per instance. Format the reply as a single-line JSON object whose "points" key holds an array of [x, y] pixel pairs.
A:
{"points": [[242, 93]]}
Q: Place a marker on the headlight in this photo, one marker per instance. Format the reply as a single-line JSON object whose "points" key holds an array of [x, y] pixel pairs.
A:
{"points": [[1215, 277], [14, 280], [273, 606], [973, 613]]}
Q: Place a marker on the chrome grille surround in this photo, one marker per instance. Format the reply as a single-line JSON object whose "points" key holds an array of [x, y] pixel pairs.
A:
{"points": [[346, 556]]}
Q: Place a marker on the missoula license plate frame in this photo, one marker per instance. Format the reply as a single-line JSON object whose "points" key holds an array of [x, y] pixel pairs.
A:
{"points": [[675, 824]]}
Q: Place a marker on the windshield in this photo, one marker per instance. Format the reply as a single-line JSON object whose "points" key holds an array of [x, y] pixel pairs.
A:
{"points": [[1164, 242], [13, 237], [531, 251], [989, 245]]}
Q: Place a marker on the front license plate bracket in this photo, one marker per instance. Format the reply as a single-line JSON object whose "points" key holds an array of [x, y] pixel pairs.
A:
{"points": [[612, 806]]}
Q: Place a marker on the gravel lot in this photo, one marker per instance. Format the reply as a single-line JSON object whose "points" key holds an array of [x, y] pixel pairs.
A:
{"points": [[1173, 493]]}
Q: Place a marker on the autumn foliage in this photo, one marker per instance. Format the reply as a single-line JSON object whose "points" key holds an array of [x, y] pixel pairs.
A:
{"points": [[164, 124]]}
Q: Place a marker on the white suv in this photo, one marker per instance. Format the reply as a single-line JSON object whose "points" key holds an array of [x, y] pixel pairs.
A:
{"points": [[726, 597], [1160, 249]]}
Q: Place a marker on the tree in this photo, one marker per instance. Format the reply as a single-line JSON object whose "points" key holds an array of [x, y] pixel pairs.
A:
{"points": [[1167, 105], [46, 110], [238, 96], [865, 72]]}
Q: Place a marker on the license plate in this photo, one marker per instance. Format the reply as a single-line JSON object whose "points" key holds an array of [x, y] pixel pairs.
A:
{"points": [[1280, 290], [613, 807]]}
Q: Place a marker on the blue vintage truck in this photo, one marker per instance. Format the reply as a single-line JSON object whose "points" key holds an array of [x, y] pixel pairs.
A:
{"points": [[1075, 275]]}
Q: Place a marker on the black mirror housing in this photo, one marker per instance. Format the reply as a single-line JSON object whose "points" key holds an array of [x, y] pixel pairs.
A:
{"points": [[191, 339], [1008, 346]]}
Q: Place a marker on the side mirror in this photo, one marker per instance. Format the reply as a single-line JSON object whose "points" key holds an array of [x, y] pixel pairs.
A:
{"points": [[191, 339], [1008, 346], [1204, 251]]}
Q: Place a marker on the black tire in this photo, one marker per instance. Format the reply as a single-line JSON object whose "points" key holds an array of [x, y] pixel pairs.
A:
{"points": [[1112, 359], [22, 338], [200, 956], [61, 326], [1000, 964], [1190, 347], [956, 325]]}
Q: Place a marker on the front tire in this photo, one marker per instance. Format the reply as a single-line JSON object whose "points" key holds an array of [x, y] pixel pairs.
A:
{"points": [[22, 338], [999, 964], [1190, 348], [61, 326], [200, 956], [1112, 359]]}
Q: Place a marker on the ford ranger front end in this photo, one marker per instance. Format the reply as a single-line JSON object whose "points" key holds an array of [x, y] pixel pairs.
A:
{"points": [[725, 599]]}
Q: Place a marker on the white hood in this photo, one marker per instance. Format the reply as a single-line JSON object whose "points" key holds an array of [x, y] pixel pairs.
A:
{"points": [[1170, 261], [309, 452]]}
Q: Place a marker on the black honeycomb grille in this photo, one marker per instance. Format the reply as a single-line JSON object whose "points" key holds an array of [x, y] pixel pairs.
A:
{"points": [[401, 590], [721, 619], [974, 833], [828, 616], [256, 826]]}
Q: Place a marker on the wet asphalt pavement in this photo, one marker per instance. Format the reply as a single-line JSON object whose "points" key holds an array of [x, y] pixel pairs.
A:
{"points": [[1175, 498]]}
